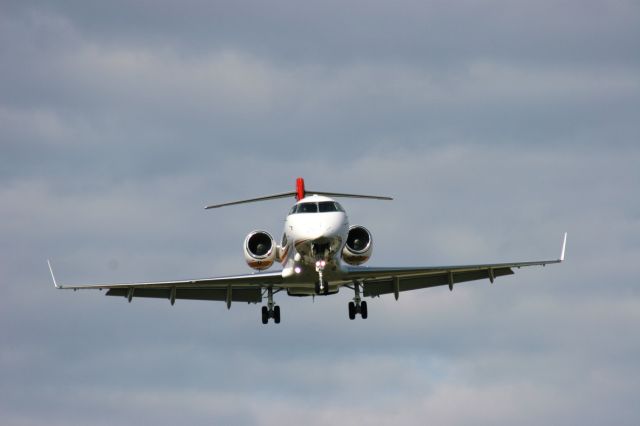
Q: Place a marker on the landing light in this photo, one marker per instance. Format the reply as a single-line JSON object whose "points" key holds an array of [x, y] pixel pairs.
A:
{"points": [[297, 270]]}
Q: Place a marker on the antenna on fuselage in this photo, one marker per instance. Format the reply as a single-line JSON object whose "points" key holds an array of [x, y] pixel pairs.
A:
{"points": [[299, 194]]}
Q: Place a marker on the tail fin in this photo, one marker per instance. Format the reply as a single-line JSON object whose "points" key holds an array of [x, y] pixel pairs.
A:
{"points": [[300, 191], [299, 194]]}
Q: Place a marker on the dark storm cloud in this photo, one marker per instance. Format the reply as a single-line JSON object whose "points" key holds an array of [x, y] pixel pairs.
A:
{"points": [[496, 126]]}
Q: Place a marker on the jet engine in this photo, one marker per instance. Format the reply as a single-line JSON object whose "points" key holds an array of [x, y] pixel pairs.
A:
{"points": [[359, 246], [260, 250]]}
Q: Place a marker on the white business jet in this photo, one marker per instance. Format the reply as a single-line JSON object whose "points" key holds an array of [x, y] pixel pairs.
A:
{"points": [[320, 253]]}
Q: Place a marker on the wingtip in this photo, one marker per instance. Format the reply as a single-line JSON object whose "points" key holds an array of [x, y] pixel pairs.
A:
{"points": [[55, 284], [564, 246]]}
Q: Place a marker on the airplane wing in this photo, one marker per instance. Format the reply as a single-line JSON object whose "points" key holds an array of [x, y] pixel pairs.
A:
{"points": [[238, 288], [377, 281]]}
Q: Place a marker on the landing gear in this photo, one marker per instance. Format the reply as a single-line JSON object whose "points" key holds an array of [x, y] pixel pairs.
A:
{"points": [[320, 251], [357, 306], [358, 309], [271, 310], [352, 311], [321, 286]]}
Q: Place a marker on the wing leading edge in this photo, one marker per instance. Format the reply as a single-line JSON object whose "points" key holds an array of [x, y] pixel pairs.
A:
{"points": [[378, 281]]}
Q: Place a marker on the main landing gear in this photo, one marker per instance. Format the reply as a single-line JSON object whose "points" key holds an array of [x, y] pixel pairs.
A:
{"points": [[358, 306], [271, 310]]}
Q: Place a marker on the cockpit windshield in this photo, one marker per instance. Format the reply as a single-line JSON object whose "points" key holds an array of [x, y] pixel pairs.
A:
{"points": [[327, 206], [307, 208], [321, 207]]}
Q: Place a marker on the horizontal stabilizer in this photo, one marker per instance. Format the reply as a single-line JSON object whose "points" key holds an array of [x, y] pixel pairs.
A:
{"points": [[338, 194], [252, 200], [299, 193]]}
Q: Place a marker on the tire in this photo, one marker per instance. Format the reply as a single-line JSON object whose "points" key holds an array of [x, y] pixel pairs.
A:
{"points": [[363, 310], [265, 315], [276, 314], [352, 311]]}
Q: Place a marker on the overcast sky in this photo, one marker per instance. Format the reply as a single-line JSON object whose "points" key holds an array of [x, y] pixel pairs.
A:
{"points": [[495, 125]]}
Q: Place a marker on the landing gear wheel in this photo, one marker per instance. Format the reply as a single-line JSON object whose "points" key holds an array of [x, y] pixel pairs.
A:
{"points": [[317, 288], [357, 306], [271, 310], [352, 311]]}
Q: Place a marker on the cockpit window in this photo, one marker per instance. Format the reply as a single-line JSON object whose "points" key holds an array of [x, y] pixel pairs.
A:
{"points": [[307, 208], [322, 207], [327, 206]]}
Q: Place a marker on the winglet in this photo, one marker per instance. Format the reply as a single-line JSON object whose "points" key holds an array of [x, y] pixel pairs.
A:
{"points": [[55, 284], [564, 246]]}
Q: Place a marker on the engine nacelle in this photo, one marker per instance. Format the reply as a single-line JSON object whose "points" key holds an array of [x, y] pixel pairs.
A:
{"points": [[359, 246], [260, 250]]}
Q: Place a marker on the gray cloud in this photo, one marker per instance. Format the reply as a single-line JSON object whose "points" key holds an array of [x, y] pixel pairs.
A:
{"points": [[496, 127], [70, 94]]}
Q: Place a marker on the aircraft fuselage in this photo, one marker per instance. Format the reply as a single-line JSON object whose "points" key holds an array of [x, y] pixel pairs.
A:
{"points": [[315, 232]]}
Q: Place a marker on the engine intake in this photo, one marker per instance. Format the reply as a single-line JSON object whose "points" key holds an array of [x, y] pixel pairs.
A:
{"points": [[359, 246], [260, 250]]}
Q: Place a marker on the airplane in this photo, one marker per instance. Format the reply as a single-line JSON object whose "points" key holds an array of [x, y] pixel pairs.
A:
{"points": [[320, 253]]}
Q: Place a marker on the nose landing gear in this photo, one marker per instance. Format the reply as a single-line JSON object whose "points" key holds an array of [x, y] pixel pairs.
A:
{"points": [[321, 251], [358, 306], [321, 286]]}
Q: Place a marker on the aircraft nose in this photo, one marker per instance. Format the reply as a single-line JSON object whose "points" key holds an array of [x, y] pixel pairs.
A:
{"points": [[327, 232], [319, 231]]}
